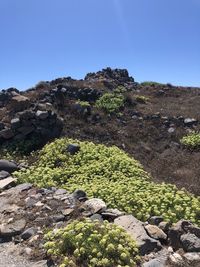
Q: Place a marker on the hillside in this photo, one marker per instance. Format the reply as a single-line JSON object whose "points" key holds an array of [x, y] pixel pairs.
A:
{"points": [[107, 148]]}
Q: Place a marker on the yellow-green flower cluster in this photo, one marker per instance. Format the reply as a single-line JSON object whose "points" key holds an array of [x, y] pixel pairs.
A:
{"points": [[93, 244], [191, 140], [110, 174]]}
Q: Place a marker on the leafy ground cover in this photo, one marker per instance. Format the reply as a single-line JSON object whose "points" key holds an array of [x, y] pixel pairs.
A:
{"points": [[110, 102], [91, 243], [110, 174], [191, 140]]}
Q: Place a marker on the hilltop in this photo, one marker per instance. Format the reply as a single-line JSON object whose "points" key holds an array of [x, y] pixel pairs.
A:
{"points": [[102, 171]]}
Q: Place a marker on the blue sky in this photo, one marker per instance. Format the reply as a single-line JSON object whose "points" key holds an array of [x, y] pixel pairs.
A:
{"points": [[155, 40]]}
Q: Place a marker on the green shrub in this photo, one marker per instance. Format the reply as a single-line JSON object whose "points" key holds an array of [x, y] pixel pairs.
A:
{"points": [[19, 149], [120, 90], [83, 104], [191, 140], [151, 83], [110, 174], [110, 102], [141, 99], [91, 243]]}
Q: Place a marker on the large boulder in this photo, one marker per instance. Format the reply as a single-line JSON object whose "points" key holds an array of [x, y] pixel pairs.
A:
{"points": [[8, 166], [190, 242], [136, 229]]}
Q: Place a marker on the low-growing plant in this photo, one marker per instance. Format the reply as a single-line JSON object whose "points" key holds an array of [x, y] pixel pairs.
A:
{"points": [[141, 99], [191, 140], [92, 244], [110, 102], [19, 149], [120, 90], [110, 174], [83, 104], [151, 83]]}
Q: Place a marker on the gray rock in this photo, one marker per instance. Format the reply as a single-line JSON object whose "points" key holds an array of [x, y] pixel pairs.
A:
{"points": [[67, 212], [28, 233], [26, 115], [4, 174], [192, 258], [60, 192], [19, 103], [15, 123], [58, 218], [25, 130], [155, 232], [189, 121], [111, 214], [6, 165], [176, 231], [136, 229], [7, 182], [42, 115], [155, 263], [194, 230], [73, 149], [12, 229], [96, 217], [6, 133], [24, 187], [190, 242], [175, 260], [94, 205], [30, 202], [171, 130]]}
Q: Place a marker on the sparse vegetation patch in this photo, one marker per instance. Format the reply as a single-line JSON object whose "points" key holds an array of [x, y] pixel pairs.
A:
{"points": [[191, 140], [110, 102]]}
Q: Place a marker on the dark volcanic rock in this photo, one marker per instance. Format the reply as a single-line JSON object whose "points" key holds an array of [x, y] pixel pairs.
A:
{"points": [[28, 233], [120, 75], [6, 133], [6, 165], [79, 194], [155, 220], [73, 149], [4, 174], [190, 243]]}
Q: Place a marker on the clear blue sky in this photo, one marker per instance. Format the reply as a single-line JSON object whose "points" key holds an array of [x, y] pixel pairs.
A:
{"points": [[154, 39]]}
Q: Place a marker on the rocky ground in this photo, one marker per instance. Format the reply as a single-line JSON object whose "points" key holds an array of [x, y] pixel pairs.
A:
{"points": [[148, 128], [27, 212]]}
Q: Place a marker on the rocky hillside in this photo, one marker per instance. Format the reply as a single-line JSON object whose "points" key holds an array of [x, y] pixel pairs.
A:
{"points": [[90, 193]]}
